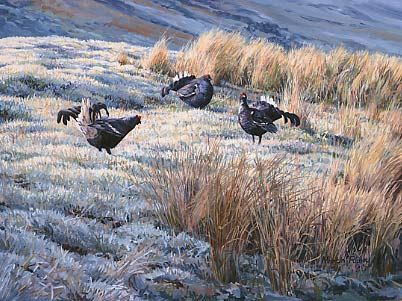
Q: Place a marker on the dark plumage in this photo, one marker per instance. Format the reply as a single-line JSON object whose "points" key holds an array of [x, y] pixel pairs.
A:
{"points": [[258, 118], [196, 92], [100, 132]]}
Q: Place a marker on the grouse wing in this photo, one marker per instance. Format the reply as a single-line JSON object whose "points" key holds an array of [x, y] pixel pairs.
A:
{"points": [[268, 110], [111, 126], [263, 120], [177, 84]]}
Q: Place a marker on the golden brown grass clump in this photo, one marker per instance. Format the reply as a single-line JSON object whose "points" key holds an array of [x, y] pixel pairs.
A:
{"points": [[196, 191], [206, 193], [359, 78], [158, 59], [228, 57], [361, 205], [123, 59], [241, 206]]}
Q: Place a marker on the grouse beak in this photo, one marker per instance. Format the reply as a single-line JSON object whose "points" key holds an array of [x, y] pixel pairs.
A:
{"points": [[139, 119]]}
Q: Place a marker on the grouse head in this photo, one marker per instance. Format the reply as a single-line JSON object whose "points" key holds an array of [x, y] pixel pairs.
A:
{"points": [[243, 96], [132, 121], [138, 119], [207, 76]]}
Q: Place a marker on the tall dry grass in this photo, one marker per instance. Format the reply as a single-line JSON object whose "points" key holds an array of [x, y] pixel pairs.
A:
{"points": [[175, 185], [158, 60], [229, 57], [296, 101], [224, 217], [361, 205], [336, 77], [393, 120], [201, 192], [241, 207], [349, 123], [281, 216], [210, 195]]}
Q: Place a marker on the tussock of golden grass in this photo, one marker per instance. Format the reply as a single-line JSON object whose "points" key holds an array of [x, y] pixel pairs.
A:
{"points": [[123, 59], [201, 192], [266, 70], [240, 206], [362, 205], [338, 77], [225, 216], [349, 122], [308, 66], [280, 216], [393, 121], [296, 102], [216, 53], [375, 163], [228, 57], [158, 59], [174, 186], [225, 200]]}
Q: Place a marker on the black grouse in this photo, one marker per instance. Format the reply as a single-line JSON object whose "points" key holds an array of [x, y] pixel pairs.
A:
{"points": [[100, 132], [257, 118], [196, 92]]}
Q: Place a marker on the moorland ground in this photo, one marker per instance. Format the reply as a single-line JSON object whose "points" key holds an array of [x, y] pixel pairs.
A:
{"points": [[79, 224]]}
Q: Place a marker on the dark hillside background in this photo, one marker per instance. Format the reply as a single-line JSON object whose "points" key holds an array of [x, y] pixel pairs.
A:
{"points": [[375, 25]]}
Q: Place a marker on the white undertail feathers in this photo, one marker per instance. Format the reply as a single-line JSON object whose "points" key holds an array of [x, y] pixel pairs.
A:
{"points": [[84, 118], [268, 99], [181, 75]]}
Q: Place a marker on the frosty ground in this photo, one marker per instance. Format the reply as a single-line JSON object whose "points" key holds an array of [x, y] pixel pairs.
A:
{"points": [[73, 226]]}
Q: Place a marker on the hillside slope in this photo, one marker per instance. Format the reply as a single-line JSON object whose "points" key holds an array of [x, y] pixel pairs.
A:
{"points": [[374, 25]]}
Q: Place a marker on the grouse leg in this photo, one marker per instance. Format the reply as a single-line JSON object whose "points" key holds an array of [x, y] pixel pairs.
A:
{"points": [[259, 139], [253, 139], [108, 151]]}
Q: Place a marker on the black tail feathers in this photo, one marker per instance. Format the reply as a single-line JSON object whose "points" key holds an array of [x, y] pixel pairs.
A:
{"points": [[65, 115], [179, 81], [73, 112], [294, 119]]}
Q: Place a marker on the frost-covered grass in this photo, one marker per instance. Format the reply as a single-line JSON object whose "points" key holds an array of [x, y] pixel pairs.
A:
{"points": [[73, 225]]}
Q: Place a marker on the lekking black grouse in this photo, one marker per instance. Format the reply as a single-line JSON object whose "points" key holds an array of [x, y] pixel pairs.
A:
{"points": [[100, 132], [196, 92], [258, 117]]}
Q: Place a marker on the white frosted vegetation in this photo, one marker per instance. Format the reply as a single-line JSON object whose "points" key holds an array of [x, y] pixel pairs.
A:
{"points": [[71, 222]]}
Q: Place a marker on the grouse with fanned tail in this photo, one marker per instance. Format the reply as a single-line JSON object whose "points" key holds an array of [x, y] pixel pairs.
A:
{"points": [[258, 117], [100, 132], [196, 92]]}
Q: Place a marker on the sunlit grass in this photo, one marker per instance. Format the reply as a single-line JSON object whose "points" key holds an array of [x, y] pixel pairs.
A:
{"points": [[337, 77], [158, 60], [70, 213]]}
